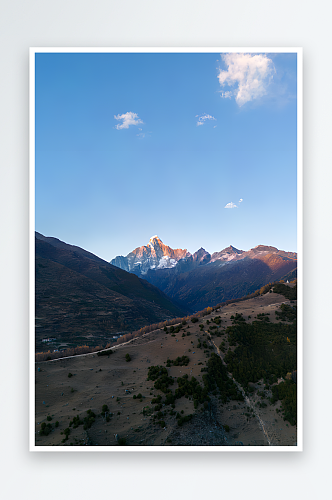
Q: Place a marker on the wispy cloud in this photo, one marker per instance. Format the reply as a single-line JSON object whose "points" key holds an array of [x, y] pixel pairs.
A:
{"points": [[202, 119], [226, 95], [230, 205], [127, 119], [142, 135], [240, 200], [250, 74]]}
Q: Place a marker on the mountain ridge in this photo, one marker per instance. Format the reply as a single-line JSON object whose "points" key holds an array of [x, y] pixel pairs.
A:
{"points": [[145, 257], [199, 280]]}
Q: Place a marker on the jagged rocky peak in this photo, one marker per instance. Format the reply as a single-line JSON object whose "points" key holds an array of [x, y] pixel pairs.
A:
{"points": [[154, 239], [201, 256], [154, 255], [227, 254], [232, 249]]}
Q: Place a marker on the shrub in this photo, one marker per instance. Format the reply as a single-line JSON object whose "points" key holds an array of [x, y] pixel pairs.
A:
{"points": [[49, 418], [45, 429], [182, 420], [89, 419], [76, 422], [121, 441], [104, 409], [194, 320], [105, 353], [128, 358], [159, 374], [70, 375]]}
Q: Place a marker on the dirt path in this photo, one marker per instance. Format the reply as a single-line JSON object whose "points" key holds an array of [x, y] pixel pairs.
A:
{"points": [[246, 398], [115, 348]]}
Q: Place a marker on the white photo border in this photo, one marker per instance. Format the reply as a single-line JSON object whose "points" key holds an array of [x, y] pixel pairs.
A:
{"points": [[295, 50]]}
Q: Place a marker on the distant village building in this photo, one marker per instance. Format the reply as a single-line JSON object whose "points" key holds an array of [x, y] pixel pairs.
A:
{"points": [[48, 340]]}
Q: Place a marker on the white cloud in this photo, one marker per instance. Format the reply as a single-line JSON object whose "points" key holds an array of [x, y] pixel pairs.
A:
{"points": [[230, 205], [251, 74], [226, 95], [240, 200], [202, 119], [128, 118]]}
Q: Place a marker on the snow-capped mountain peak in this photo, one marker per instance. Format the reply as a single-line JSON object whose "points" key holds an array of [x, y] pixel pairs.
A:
{"points": [[154, 240], [155, 255]]}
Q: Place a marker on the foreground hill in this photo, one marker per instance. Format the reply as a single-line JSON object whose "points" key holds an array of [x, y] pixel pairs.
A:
{"points": [[225, 380], [200, 280], [79, 295]]}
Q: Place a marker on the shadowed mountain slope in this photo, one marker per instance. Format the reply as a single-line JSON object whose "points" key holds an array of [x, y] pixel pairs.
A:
{"points": [[78, 294], [213, 283]]}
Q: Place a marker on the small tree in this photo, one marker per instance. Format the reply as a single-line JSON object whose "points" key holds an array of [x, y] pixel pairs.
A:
{"points": [[128, 358], [104, 409]]}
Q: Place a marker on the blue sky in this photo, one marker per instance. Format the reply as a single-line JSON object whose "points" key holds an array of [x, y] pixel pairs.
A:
{"points": [[133, 145]]}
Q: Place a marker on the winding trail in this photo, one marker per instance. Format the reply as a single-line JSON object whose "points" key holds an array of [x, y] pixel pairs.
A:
{"points": [[114, 348]]}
